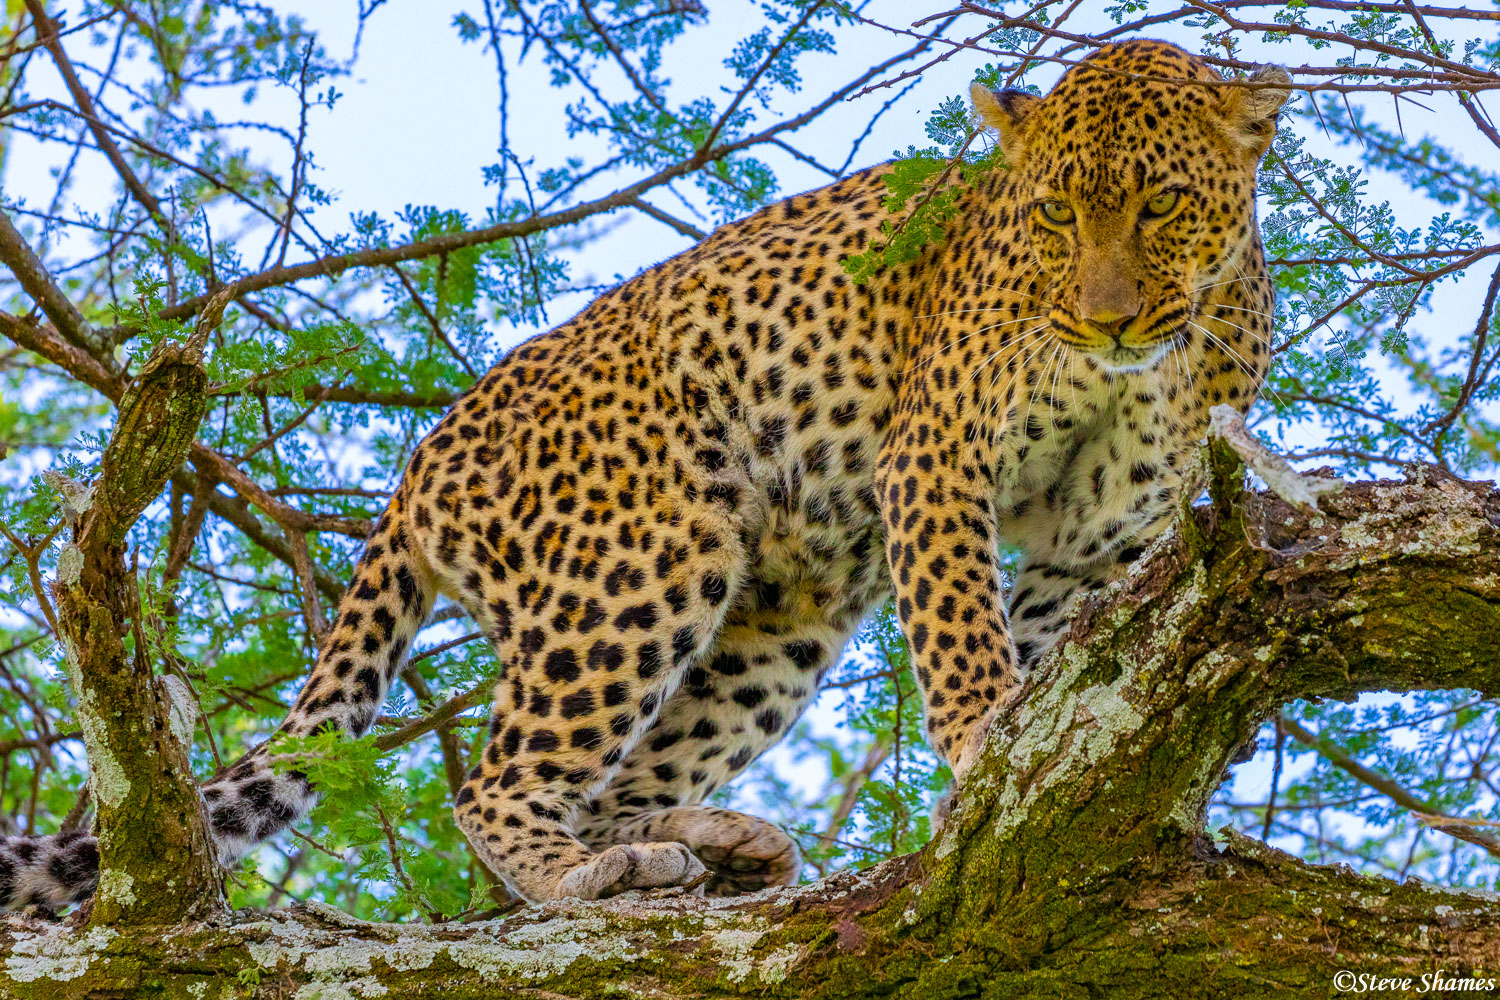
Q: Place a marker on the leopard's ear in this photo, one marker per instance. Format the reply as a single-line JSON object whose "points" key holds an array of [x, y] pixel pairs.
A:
{"points": [[1250, 112], [1006, 112]]}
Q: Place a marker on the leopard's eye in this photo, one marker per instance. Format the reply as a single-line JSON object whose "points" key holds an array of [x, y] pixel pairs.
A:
{"points": [[1057, 213], [1162, 204]]}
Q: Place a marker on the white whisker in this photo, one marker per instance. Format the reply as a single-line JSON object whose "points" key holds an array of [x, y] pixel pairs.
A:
{"points": [[1000, 350], [1230, 281], [1253, 312], [992, 399], [1239, 360]]}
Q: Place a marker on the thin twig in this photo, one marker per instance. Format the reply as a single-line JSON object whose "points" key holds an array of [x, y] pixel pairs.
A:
{"points": [[1453, 827]]}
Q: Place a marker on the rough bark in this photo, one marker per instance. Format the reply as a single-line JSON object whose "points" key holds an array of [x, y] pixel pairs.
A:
{"points": [[1075, 861], [156, 860]]}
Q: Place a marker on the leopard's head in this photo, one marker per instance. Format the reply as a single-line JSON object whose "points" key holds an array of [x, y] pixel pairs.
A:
{"points": [[1137, 178]]}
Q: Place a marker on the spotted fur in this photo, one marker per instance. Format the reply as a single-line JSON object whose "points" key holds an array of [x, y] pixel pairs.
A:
{"points": [[670, 513]]}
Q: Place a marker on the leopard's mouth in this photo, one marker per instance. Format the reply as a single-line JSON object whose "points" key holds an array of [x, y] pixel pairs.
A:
{"points": [[1138, 346], [1119, 355]]}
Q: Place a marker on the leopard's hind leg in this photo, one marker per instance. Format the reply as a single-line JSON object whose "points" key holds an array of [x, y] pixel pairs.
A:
{"points": [[586, 661], [741, 700]]}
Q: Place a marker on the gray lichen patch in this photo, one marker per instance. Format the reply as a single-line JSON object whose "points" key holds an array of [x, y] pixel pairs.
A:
{"points": [[547, 949], [107, 778], [54, 953], [1404, 522], [545, 943], [356, 989], [1065, 732], [182, 708], [117, 886], [736, 947]]}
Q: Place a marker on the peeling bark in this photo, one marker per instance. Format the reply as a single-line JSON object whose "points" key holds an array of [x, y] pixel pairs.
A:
{"points": [[1074, 863]]}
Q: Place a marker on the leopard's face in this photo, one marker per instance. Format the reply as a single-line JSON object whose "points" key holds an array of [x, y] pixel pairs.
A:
{"points": [[1137, 194], [1128, 265]]}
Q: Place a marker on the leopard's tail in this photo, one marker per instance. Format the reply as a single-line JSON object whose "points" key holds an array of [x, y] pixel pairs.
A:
{"points": [[47, 871], [387, 601]]}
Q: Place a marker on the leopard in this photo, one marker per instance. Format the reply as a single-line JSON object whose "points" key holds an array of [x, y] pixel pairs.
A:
{"points": [[670, 514]]}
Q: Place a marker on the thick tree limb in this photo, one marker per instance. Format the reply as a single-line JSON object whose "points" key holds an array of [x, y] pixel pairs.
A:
{"points": [[1075, 862], [156, 862]]}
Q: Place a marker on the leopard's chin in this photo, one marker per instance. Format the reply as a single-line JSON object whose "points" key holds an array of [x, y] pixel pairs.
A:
{"points": [[1117, 359]]}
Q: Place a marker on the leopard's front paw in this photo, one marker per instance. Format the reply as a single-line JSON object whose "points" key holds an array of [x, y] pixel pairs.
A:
{"points": [[744, 853], [973, 744]]}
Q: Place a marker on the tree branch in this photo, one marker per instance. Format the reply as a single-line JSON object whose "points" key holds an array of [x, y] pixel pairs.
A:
{"points": [[335, 264], [1429, 815], [48, 34], [1081, 824], [690, 231], [155, 860], [34, 280]]}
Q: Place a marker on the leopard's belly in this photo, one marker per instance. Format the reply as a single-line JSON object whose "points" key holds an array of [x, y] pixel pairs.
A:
{"points": [[819, 557]]}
